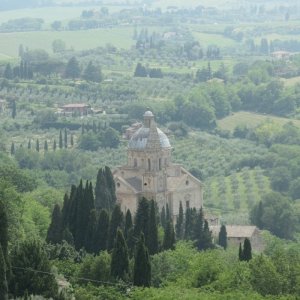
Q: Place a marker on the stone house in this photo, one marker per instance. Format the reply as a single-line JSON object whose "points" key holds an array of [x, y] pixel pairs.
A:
{"points": [[80, 109]]}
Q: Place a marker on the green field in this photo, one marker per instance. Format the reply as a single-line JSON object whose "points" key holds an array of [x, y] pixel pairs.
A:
{"points": [[207, 39], [251, 120], [79, 40], [291, 81]]}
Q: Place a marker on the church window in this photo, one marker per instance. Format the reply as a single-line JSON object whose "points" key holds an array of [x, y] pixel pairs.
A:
{"points": [[187, 182], [187, 204], [118, 184]]}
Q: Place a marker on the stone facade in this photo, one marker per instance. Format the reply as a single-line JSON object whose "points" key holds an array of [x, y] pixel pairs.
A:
{"points": [[150, 173]]}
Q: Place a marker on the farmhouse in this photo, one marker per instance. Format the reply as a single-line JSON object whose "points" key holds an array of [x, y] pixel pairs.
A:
{"points": [[150, 173], [236, 234], [79, 109]]}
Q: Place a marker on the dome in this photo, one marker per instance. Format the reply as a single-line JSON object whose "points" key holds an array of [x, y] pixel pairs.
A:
{"points": [[148, 113], [140, 138]]}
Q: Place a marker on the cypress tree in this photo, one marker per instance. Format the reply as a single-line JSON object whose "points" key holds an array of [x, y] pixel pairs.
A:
{"points": [[198, 230], [91, 233], [168, 216], [37, 146], [188, 224], [223, 237], [163, 217], [152, 241], [101, 191], [3, 281], [66, 138], [111, 186], [29, 145], [207, 238], [119, 257], [115, 222], [12, 149], [102, 231], [169, 237], [14, 109], [8, 73], [45, 146], [72, 68], [54, 234], [72, 140], [240, 252], [128, 223], [54, 145], [247, 250], [179, 223], [60, 140], [142, 265], [141, 223]]}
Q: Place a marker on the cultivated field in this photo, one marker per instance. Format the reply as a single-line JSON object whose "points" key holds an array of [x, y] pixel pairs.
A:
{"points": [[251, 120]]}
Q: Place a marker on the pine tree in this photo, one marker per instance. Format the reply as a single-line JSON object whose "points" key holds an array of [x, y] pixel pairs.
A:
{"points": [[102, 231], [3, 281], [141, 223], [66, 138], [115, 222], [247, 250], [169, 237], [179, 223], [37, 145], [142, 265], [31, 255], [119, 257], [12, 149], [54, 145], [152, 242], [60, 140], [54, 234], [223, 237], [45, 146], [72, 69], [14, 109]]}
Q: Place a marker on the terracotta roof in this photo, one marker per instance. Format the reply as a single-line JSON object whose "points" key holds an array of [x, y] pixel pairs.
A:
{"points": [[235, 231]]}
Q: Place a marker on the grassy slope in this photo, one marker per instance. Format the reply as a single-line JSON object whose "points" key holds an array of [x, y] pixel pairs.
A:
{"points": [[80, 40], [251, 120]]}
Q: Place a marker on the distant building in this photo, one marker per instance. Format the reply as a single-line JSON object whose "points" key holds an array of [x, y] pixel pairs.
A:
{"points": [[150, 173], [236, 234], [80, 109], [285, 55], [129, 132], [2, 106]]}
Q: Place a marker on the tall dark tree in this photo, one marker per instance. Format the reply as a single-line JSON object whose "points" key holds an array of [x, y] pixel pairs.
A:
{"points": [[14, 109], [119, 257], [4, 230], [91, 233], [46, 146], [128, 223], [72, 69], [179, 223], [247, 250], [142, 265], [29, 145], [54, 234], [169, 237], [207, 237], [37, 145], [240, 252], [3, 280], [223, 237], [30, 255], [102, 231], [72, 140], [60, 144], [8, 73], [115, 222], [188, 224], [140, 71], [66, 138], [54, 145], [12, 149], [163, 217], [92, 73], [141, 223], [152, 242]]}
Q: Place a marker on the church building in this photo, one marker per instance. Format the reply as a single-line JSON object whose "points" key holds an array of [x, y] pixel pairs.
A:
{"points": [[150, 173]]}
